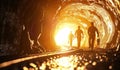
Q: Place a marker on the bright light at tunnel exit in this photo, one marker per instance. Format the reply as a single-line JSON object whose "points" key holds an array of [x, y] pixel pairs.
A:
{"points": [[61, 38]]}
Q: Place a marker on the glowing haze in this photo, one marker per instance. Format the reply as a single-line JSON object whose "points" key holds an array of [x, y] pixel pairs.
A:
{"points": [[82, 14]]}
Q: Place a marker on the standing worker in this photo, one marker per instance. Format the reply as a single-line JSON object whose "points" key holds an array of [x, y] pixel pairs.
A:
{"points": [[92, 30], [71, 38], [78, 33]]}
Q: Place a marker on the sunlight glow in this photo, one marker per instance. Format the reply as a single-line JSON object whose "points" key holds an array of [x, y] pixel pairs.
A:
{"points": [[62, 36]]}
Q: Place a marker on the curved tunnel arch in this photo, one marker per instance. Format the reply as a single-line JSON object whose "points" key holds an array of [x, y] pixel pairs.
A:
{"points": [[84, 14]]}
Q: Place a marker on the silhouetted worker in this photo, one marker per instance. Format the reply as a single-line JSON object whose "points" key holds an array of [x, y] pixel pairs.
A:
{"points": [[78, 33], [92, 30], [71, 38]]}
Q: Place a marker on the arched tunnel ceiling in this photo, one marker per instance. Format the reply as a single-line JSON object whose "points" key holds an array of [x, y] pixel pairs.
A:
{"points": [[43, 18], [103, 13]]}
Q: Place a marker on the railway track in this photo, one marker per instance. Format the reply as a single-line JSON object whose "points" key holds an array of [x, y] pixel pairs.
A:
{"points": [[36, 61]]}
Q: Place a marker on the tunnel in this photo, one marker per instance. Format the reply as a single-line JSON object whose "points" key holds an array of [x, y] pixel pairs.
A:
{"points": [[48, 24], [73, 13]]}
